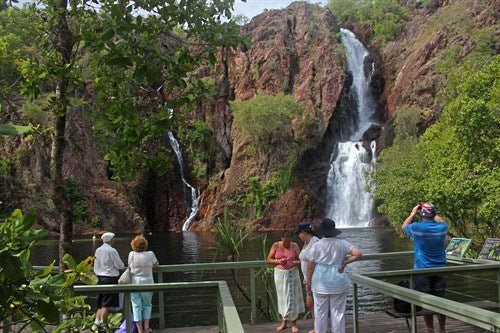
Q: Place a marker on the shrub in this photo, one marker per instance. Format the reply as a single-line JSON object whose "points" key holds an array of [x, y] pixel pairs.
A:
{"points": [[267, 119], [34, 298]]}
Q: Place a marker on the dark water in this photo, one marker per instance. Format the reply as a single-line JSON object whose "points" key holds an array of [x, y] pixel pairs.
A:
{"points": [[190, 308]]}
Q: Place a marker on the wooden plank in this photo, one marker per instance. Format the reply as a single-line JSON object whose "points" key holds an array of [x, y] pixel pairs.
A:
{"points": [[368, 323]]}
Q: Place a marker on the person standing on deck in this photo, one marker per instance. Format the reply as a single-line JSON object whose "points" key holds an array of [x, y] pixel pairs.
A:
{"points": [[106, 267], [306, 234], [330, 285], [285, 256], [429, 237]]}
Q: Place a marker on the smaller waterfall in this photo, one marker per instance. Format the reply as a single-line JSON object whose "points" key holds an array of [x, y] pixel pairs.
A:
{"points": [[195, 196]]}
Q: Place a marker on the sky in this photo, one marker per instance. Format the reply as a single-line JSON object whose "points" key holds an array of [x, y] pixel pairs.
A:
{"points": [[250, 8]]}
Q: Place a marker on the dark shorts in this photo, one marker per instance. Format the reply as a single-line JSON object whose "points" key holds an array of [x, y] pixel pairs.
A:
{"points": [[107, 300], [431, 284]]}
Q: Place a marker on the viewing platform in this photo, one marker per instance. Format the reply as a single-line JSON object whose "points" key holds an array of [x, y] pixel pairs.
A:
{"points": [[462, 316], [368, 323]]}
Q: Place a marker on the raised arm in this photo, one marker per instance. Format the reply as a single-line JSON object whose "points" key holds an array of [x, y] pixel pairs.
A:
{"points": [[409, 219]]}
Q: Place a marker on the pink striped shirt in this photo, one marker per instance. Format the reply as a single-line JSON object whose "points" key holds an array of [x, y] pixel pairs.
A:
{"points": [[290, 256]]}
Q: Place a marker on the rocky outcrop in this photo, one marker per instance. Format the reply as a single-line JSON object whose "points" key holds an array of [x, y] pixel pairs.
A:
{"points": [[293, 51], [104, 204], [409, 64]]}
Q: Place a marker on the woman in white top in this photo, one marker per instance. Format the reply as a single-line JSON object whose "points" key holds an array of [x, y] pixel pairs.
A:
{"points": [[306, 234], [328, 258], [141, 263]]}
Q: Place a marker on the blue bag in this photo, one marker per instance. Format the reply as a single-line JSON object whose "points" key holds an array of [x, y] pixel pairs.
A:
{"points": [[123, 326]]}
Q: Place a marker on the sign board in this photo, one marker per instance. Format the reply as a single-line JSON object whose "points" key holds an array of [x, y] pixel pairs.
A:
{"points": [[490, 250], [457, 247]]}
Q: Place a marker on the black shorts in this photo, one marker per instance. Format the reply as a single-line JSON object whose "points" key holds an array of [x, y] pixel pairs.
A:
{"points": [[105, 300], [431, 284]]}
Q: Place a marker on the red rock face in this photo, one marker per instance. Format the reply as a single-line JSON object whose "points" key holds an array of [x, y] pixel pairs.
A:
{"points": [[409, 64], [293, 51]]}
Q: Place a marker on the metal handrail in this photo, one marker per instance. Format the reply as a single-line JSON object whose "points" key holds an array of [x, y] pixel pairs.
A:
{"points": [[251, 265], [228, 318], [485, 319]]}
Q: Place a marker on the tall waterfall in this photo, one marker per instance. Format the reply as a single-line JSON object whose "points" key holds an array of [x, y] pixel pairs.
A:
{"points": [[348, 203], [195, 196]]}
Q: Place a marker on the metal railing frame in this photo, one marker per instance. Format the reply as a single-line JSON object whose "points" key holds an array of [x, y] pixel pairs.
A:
{"points": [[228, 318], [485, 319]]}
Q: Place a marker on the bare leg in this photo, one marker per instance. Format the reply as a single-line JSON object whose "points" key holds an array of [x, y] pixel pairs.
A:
{"points": [[146, 325], [104, 316], [282, 326], [295, 329], [98, 314], [429, 323], [442, 323], [140, 329], [310, 306]]}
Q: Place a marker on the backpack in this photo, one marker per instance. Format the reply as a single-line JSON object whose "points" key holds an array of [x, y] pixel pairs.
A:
{"points": [[403, 306]]}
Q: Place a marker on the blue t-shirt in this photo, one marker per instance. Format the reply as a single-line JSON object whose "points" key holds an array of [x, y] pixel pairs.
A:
{"points": [[428, 243]]}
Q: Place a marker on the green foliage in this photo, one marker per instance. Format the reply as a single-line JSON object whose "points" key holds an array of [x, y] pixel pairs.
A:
{"points": [[79, 206], [259, 195], [133, 53], [197, 137], [5, 167], [384, 17], [95, 222], [32, 299], [231, 236], [454, 164], [267, 118], [9, 129]]}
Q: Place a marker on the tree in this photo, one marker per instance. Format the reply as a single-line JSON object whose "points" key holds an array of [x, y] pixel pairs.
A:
{"points": [[135, 48], [454, 164]]}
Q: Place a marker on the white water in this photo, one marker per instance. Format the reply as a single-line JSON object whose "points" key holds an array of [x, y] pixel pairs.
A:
{"points": [[348, 203], [195, 196]]}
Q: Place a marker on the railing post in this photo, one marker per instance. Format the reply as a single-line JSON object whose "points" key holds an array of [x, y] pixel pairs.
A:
{"points": [[355, 309], [161, 302], [220, 313], [126, 307], [413, 309], [498, 285], [253, 311]]}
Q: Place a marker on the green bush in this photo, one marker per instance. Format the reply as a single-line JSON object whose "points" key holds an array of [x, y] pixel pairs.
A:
{"points": [[455, 164], [385, 17], [79, 206], [31, 299], [268, 119], [259, 195], [197, 141]]}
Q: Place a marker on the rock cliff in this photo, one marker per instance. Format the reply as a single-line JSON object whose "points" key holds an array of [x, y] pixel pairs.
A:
{"points": [[293, 51]]}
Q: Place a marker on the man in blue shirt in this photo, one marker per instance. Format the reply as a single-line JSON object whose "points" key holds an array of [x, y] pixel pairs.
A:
{"points": [[429, 237]]}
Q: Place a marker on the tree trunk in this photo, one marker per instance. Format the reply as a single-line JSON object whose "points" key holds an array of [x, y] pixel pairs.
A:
{"points": [[64, 45]]}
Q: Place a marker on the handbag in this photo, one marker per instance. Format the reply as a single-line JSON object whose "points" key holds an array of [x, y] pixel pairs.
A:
{"points": [[126, 277]]}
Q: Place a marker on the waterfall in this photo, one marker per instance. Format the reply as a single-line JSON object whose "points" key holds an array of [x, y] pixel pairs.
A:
{"points": [[348, 203], [195, 196]]}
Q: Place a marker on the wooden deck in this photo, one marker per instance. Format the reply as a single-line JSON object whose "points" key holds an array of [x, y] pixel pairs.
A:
{"points": [[369, 323]]}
